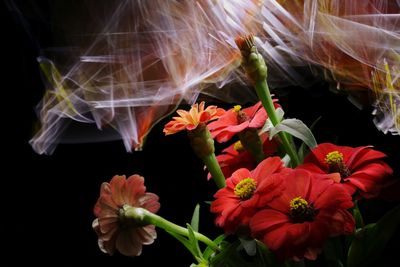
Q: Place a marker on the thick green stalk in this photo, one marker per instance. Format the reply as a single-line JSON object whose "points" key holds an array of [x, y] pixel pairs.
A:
{"points": [[256, 70], [146, 217], [215, 170], [266, 99]]}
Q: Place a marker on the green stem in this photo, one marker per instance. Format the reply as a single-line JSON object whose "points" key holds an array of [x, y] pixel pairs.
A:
{"points": [[215, 170], [266, 99], [147, 217]]}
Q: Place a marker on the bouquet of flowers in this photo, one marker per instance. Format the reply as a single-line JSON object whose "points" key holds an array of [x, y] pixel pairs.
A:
{"points": [[276, 204], [281, 198]]}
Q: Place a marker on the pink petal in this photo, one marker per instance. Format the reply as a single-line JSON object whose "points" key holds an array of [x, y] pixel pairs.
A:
{"points": [[105, 206], [105, 189], [147, 234], [128, 243], [150, 202], [134, 189], [117, 184], [107, 224]]}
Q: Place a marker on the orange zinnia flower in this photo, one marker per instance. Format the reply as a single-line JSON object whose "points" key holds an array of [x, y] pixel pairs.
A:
{"points": [[114, 230], [189, 120]]}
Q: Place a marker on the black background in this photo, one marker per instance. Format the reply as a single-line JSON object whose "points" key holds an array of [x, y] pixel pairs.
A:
{"points": [[47, 201]]}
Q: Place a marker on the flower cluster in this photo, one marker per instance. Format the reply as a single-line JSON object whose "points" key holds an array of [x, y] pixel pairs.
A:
{"points": [[290, 205], [293, 211]]}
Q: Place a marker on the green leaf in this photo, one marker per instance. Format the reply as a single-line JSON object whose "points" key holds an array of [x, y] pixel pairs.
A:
{"points": [[333, 251], [286, 160], [296, 128], [232, 256], [208, 251], [194, 243], [183, 240], [303, 149], [372, 239], [195, 218], [357, 216], [249, 246], [268, 124]]}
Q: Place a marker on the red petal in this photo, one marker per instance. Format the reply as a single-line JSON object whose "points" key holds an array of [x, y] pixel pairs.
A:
{"points": [[298, 184], [333, 197], [205, 116], [229, 118], [318, 154], [266, 168], [363, 155], [239, 175], [267, 219], [313, 167], [251, 111], [259, 119]]}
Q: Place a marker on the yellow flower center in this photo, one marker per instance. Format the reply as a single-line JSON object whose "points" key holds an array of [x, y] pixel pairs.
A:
{"points": [[237, 108], [333, 158], [238, 146], [240, 115], [245, 188], [335, 162], [300, 211]]}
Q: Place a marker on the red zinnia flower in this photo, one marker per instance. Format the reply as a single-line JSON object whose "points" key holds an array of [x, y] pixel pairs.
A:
{"points": [[236, 120], [236, 156], [246, 192], [309, 211], [189, 120], [113, 229], [356, 168]]}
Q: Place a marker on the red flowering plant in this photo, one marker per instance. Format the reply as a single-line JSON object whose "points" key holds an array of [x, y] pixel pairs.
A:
{"points": [[276, 204]]}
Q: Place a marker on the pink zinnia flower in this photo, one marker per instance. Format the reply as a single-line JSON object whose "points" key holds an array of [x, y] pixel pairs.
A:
{"points": [[236, 156], [189, 120], [309, 211], [113, 229], [236, 120], [359, 168], [246, 192]]}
